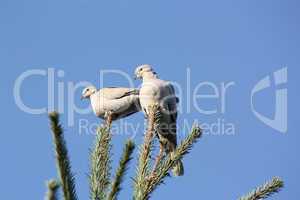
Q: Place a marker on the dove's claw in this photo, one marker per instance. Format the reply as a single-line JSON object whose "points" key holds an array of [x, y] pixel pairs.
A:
{"points": [[108, 117], [108, 114]]}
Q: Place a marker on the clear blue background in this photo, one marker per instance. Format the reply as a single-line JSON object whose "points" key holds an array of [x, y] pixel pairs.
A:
{"points": [[221, 41]]}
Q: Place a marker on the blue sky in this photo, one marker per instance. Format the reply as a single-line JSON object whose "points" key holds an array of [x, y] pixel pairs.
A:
{"points": [[219, 41]]}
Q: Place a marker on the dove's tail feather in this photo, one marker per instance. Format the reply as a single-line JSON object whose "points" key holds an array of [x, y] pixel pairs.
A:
{"points": [[178, 169]]}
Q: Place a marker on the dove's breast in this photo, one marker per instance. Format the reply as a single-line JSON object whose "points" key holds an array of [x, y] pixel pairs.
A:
{"points": [[98, 106], [151, 93]]}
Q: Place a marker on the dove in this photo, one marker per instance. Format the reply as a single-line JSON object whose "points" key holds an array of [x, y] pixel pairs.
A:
{"points": [[155, 91], [120, 102]]}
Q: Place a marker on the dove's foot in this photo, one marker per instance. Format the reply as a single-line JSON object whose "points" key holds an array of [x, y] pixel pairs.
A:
{"points": [[108, 114], [151, 176], [108, 118]]}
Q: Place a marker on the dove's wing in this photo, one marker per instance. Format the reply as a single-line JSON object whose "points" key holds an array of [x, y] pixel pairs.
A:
{"points": [[121, 101], [171, 102], [117, 93]]}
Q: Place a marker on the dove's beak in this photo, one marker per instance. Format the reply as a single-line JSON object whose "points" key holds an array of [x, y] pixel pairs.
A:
{"points": [[82, 97]]}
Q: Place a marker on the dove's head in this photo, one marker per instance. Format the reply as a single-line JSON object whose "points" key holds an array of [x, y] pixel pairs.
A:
{"points": [[88, 91], [143, 70]]}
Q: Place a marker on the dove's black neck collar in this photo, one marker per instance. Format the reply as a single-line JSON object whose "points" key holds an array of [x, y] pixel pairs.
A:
{"points": [[149, 75]]}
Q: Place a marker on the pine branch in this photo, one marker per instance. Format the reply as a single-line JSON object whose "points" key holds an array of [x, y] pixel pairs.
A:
{"points": [[100, 165], [265, 191], [64, 166], [166, 165], [144, 157], [123, 164], [52, 193], [145, 181]]}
